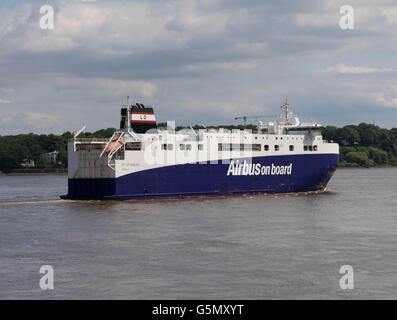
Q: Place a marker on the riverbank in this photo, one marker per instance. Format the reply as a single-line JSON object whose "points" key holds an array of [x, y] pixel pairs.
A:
{"points": [[39, 172], [343, 164]]}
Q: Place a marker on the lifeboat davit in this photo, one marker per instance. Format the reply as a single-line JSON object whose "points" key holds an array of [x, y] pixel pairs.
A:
{"points": [[114, 145]]}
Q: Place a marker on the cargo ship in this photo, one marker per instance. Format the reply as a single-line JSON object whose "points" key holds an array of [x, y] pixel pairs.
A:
{"points": [[143, 161]]}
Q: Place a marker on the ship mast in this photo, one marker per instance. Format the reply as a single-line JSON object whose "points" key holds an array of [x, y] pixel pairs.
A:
{"points": [[285, 106]]}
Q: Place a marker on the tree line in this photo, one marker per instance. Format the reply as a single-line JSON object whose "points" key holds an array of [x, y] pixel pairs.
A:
{"points": [[360, 145], [364, 145], [22, 148]]}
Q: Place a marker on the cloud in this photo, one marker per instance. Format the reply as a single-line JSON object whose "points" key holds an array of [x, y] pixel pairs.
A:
{"points": [[28, 120], [223, 66], [35, 119], [316, 20], [225, 107], [342, 68], [102, 87], [7, 90], [195, 61], [382, 93]]}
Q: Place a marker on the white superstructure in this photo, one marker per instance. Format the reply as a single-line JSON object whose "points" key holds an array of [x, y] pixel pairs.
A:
{"points": [[129, 152]]}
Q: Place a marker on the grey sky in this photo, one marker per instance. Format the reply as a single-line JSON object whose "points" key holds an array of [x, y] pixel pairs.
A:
{"points": [[195, 61]]}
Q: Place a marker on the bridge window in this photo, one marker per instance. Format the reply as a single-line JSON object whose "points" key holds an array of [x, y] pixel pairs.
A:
{"points": [[188, 147], [276, 147], [266, 147], [200, 147], [182, 147], [315, 148], [291, 148], [89, 146], [250, 147], [241, 147], [166, 146], [136, 146], [305, 148], [256, 147]]}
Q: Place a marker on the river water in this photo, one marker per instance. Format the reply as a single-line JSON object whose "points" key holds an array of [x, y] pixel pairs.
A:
{"points": [[250, 247]]}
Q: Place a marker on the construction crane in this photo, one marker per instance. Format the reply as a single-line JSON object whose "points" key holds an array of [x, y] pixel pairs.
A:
{"points": [[253, 117]]}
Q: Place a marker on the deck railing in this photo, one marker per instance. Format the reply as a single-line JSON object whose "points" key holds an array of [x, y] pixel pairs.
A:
{"points": [[89, 140]]}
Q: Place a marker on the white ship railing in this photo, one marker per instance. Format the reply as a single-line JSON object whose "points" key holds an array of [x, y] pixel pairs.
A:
{"points": [[89, 140]]}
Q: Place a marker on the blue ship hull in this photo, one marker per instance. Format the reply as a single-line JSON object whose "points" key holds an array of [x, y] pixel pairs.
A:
{"points": [[309, 172]]}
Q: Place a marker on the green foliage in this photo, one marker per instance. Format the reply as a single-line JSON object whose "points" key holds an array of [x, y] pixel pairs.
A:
{"points": [[345, 150], [368, 134], [330, 133], [350, 135], [101, 134], [360, 158], [63, 157], [380, 145], [14, 150], [379, 156], [43, 162]]}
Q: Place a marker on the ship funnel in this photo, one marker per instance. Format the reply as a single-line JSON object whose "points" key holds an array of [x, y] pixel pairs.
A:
{"points": [[142, 118]]}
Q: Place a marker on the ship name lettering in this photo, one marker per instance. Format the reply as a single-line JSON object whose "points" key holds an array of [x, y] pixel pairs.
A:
{"points": [[237, 168]]}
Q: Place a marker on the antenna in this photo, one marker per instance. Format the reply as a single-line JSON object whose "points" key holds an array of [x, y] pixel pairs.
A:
{"points": [[128, 101], [285, 106]]}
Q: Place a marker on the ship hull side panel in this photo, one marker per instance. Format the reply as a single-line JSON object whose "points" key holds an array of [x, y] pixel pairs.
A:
{"points": [[309, 172], [90, 188]]}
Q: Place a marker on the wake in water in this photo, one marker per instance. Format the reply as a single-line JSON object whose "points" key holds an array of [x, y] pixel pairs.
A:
{"points": [[8, 203], [56, 201]]}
